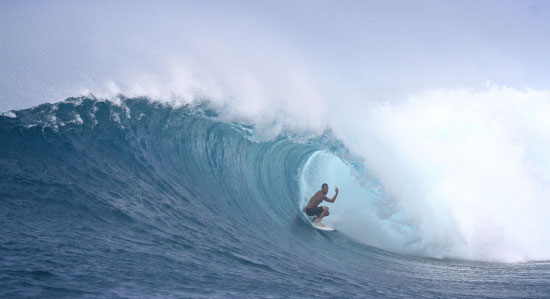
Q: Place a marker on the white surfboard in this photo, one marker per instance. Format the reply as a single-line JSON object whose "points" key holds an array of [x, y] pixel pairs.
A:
{"points": [[325, 228], [311, 220]]}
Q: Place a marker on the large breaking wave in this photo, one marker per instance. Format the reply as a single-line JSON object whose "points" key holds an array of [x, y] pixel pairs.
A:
{"points": [[90, 187], [418, 181]]}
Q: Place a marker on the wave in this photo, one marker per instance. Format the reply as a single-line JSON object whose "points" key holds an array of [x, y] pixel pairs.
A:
{"points": [[95, 193], [131, 153]]}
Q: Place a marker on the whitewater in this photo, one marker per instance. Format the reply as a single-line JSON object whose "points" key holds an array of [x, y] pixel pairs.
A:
{"points": [[131, 197]]}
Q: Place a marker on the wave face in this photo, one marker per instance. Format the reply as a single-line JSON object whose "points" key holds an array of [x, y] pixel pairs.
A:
{"points": [[130, 199]]}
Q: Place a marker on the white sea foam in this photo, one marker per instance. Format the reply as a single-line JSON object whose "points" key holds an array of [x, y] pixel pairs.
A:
{"points": [[464, 174], [9, 114], [77, 119]]}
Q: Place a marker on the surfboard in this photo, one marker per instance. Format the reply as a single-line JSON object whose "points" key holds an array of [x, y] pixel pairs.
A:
{"points": [[325, 228]]}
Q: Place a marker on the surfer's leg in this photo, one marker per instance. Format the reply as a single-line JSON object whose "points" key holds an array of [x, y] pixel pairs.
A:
{"points": [[323, 214]]}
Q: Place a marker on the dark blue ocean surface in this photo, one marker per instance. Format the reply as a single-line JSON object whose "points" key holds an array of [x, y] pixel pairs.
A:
{"points": [[138, 199]]}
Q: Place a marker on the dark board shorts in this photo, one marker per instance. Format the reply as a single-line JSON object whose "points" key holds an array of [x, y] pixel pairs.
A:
{"points": [[314, 211]]}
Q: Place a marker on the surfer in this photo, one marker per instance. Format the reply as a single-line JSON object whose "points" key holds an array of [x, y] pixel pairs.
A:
{"points": [[312, 208]]}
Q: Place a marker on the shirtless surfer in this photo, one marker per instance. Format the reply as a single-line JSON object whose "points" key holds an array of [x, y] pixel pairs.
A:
{"points": [[312, 208]]}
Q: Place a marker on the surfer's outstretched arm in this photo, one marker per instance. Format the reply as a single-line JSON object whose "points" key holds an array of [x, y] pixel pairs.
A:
{"points": [[334, 197]]}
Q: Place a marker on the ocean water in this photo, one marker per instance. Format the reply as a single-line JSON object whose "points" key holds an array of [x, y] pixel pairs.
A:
{"points": [[126, 199]]}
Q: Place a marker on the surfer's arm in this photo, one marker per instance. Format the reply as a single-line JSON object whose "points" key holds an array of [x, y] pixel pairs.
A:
{"points": [[333, 198]]}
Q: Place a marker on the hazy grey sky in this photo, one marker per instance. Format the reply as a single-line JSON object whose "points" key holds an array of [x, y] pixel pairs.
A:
{"points": [[365, 50]]}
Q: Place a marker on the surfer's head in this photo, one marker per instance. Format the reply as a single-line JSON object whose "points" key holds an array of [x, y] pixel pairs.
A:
{"points": [[324, 188]]}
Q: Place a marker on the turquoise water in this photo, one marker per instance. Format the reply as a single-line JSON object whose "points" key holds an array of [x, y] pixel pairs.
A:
{"points": [[139, 199]]}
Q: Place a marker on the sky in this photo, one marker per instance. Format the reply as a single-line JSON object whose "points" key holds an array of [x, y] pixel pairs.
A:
{"points": [[329, 51]]}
